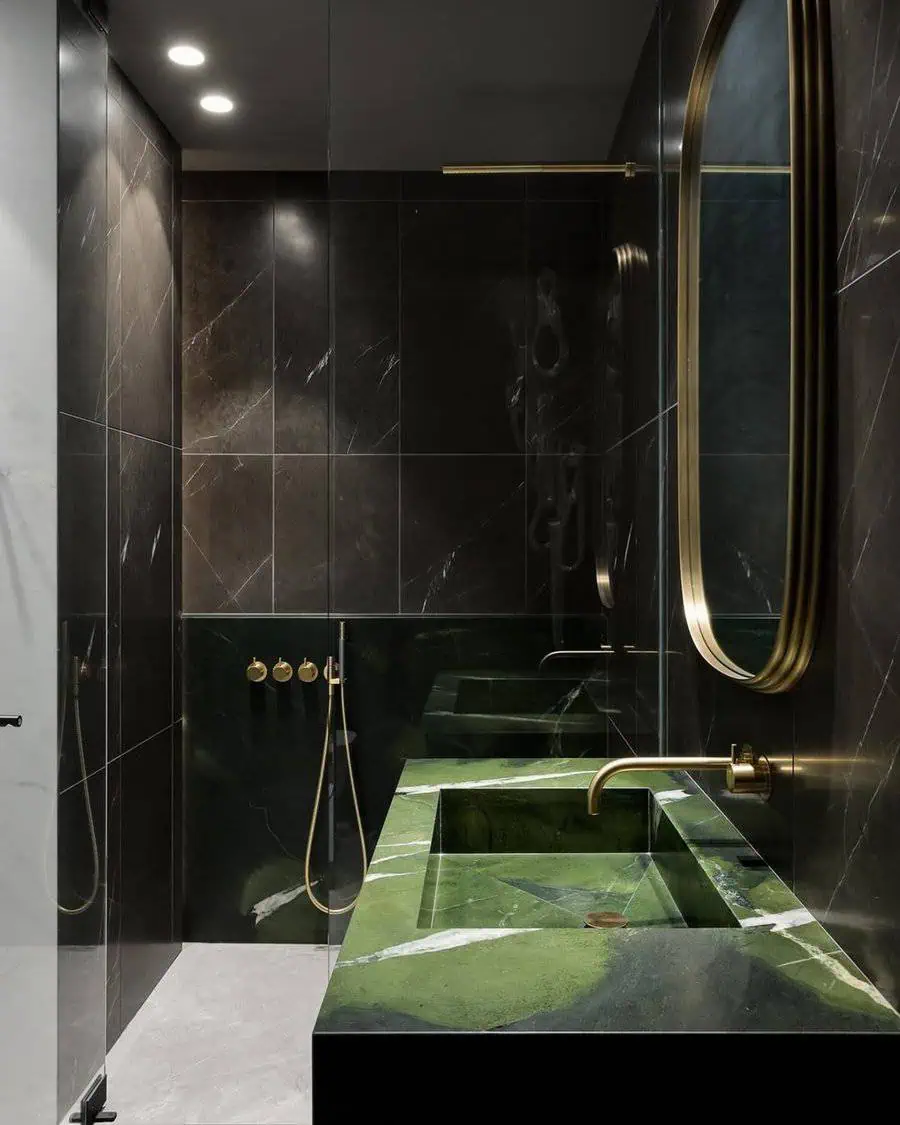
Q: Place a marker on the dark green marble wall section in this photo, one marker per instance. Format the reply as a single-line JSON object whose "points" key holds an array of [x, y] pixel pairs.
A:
{"points": [[252, 752]]}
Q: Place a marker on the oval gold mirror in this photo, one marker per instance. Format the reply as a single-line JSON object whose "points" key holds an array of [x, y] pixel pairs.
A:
{"points": [[753, 292]]}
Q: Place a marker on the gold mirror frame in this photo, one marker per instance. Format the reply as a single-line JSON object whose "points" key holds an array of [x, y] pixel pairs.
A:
{"points": [[811, 289]]}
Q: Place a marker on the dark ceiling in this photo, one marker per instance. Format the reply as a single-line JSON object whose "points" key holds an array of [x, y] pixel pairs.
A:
{"points": [[387, 84]]}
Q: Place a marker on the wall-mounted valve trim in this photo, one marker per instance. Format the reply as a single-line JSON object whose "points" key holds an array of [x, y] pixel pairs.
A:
{"points": [[307, 672], [256, 671], [282, 672]]}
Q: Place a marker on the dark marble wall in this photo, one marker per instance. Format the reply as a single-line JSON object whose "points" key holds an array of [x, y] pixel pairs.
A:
{"points": [[81, 539], [144, 576], [636, 454], [385, 380], [383, 376], [846, 790], [830, 828]]}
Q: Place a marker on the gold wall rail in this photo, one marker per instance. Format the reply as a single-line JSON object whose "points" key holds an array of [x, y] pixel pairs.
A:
{"points": [[628, 169]]}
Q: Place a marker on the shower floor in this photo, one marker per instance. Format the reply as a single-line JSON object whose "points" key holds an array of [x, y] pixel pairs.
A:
{"points": [[224, 1039]]}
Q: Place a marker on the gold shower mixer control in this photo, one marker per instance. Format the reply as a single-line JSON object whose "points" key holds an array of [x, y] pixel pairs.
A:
{"points": [[307, 672], [282, 672], [256, 671]]}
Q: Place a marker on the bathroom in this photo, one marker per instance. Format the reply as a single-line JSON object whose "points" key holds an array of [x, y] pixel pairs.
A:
{"points": [[446, 520]]}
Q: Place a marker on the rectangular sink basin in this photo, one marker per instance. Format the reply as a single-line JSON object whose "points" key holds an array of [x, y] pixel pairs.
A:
{"points": [[534, 858]]}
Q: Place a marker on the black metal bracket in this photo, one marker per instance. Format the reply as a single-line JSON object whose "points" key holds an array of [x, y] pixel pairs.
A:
{"points": [[92, 1111], [10, 720]]}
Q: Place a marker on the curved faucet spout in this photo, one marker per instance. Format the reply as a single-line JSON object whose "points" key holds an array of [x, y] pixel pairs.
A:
{"points": [[746, 772]]}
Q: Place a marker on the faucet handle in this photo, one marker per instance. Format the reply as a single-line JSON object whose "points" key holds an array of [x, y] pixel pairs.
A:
{"points": [[256, 671]]}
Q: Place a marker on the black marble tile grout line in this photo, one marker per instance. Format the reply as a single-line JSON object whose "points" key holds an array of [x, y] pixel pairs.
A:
{"points": [[119, 757], [274, 307]]}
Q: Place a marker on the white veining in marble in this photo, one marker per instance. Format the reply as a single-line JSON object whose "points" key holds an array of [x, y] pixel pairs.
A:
{"points": [[387, 875], [224, 1039], [267, 906], [435, 943], [832, 962], [492, 782], [786, 920], [399, 855], [667, 796]]}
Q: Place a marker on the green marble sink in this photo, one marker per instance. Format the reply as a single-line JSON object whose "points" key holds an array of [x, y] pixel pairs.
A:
{"points": [[535, 858], [471, 918]]}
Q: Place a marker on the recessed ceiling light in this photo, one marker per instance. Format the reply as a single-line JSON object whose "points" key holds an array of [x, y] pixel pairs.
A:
{"points": [[183, 54], [216, 103]]}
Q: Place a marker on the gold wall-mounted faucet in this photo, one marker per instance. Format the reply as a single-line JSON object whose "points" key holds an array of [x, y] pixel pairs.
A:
{"points": [[746, 771], [256, 671]]}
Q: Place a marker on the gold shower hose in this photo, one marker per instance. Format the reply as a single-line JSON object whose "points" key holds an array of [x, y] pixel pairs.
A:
{"points": [[331, 678]]}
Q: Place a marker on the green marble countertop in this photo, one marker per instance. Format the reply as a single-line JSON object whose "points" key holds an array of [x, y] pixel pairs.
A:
{"points": [[492, 947]]}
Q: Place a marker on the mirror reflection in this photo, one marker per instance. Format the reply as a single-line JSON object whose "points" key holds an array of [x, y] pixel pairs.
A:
{"points": [[744, 364]]}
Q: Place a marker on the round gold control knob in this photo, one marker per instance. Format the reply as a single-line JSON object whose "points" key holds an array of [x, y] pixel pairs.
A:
{"points": [[256, 671], [282, 672], [307, 672]]}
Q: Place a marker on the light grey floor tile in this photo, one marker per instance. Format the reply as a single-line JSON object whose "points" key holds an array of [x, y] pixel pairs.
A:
{"points": [[224, 1039]]}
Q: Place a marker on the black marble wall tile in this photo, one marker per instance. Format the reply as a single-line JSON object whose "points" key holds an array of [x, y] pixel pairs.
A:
{"points": [[252, 763], [145, 553], [366, 522], [81, 453], [865, 43], [561, 562], [435, 186], [463, 535], [744, 532], [82, 689], [567, 259], [79, 688], [115, 190], [142, 507], [365, 186], [146, 942], [847, 790], [227, 327], [228, 187], [81, 223], [571, 186], [81, 955], [365, 318], [301, 327], [122, 91], [227, 519], [301, 534], [114, 888], [146, 286], [462, 346]]}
